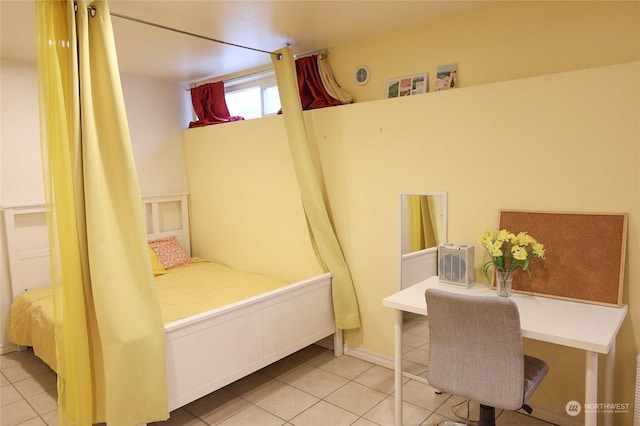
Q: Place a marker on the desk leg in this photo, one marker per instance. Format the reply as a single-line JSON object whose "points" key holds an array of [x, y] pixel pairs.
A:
{"points": [[398, 367], [591, 390], [609, 380]]}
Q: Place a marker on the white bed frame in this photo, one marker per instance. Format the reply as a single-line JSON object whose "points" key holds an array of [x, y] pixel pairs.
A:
{"points": [[418, 266], [212, 349]]}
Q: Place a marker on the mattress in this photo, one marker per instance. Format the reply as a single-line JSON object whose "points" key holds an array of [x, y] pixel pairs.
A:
{"points": [[183, 291]]}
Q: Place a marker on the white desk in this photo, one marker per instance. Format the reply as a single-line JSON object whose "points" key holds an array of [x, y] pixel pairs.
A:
{"points": [[592, 328]]}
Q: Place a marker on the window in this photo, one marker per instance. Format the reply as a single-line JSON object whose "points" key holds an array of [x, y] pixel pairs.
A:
{"points": [[253, 96], [271, 100], [244, 102]]}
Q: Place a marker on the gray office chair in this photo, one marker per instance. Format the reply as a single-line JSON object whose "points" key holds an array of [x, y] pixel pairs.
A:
{"points": [[476, 351]]}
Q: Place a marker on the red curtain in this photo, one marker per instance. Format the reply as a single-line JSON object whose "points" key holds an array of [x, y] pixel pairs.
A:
{"points": [[210, 105], [312, 92]]}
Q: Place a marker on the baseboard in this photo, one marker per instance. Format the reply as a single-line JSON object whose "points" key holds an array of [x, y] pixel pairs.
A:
{"points": [[369, 356]]}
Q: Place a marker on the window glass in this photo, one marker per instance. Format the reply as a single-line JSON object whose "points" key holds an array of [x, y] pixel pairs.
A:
{"points": [[245, 102], [253, 96], [271, 100]]}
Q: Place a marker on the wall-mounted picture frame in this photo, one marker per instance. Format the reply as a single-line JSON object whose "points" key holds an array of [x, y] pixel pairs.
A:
{"points": [[419, 84], [407, 86], [447, 77]]}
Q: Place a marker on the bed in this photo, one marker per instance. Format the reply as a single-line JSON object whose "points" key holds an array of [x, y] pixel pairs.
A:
{"points": [[207, 349]]}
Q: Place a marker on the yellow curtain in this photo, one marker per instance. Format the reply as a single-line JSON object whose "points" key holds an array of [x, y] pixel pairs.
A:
{"points": [[435, 215], [329, 82], [427, 223], [328, 248], [109, 333], [416, 236], [423, 219]]}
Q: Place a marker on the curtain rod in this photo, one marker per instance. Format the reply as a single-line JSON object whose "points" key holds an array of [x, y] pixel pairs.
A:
{"points": [[92, 10], [322, 52]]}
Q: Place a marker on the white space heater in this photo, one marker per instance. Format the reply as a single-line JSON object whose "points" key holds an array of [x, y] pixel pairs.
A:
{"points": [[455, 264]]}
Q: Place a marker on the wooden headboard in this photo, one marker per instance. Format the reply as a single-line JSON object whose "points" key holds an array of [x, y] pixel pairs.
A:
{"points": [[28, 242]]}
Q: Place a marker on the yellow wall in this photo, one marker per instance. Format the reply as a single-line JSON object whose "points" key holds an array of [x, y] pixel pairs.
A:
{"points": [[245, 207], [502, 41], [566, 140], [542, 143]]}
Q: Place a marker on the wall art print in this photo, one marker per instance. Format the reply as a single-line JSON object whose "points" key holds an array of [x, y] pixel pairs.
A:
{"points": [[407, 86]]}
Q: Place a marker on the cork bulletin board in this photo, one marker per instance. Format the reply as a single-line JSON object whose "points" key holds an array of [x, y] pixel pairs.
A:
{"points": [[584, 259]]}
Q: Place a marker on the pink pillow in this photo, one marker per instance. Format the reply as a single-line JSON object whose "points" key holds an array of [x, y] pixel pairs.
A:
{"points": [[169, 252]]}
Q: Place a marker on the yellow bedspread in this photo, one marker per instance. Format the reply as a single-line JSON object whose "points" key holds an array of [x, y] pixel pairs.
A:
{"points": [[202, 285], [31, 323], [183, 291]]}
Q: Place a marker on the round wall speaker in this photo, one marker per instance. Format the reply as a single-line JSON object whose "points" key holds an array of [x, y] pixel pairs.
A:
{"points": [[362, 75]]}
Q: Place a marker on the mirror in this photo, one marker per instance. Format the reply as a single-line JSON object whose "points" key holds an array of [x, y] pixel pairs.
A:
{"points": [[423, 226]]}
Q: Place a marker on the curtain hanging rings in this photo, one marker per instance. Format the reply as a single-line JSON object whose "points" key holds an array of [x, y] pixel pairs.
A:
{"points": [[92, 9]]}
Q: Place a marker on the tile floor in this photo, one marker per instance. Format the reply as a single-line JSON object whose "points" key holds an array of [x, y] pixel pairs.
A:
{"points": [[308, 388]]}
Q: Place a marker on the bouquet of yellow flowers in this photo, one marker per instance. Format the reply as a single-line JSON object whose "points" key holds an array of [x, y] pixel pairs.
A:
{"points": [[509, 251]]}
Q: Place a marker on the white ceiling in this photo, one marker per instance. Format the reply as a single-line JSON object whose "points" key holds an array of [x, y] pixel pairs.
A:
{"points": [[266, 25]]}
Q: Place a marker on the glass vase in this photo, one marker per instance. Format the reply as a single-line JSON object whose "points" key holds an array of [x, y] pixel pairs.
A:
{"points": [[503, 283]]}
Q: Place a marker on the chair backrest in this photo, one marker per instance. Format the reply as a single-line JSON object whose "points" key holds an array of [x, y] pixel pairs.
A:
{"points": [[475, 348]]}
